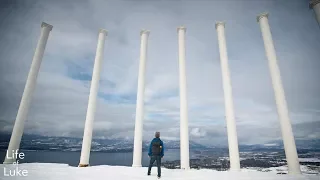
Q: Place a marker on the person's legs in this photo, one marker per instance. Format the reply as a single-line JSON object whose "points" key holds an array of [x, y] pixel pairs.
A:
{"points": [[159, 165], [152, 159]]}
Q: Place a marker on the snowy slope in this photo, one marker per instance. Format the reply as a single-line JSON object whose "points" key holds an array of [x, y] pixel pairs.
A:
{"points": [[39, 171], [309, 160]]}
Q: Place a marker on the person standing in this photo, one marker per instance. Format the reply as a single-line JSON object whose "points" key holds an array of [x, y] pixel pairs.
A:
{"points": [[156, 153]]}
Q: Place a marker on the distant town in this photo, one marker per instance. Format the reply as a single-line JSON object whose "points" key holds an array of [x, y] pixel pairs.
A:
{"points": [[260, 161]]}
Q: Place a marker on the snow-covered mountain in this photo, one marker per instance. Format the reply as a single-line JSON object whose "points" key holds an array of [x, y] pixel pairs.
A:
{"points": [[35, 142]]}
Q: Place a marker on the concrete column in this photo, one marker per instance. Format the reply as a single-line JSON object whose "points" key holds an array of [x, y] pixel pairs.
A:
{"points": [[184, 128], [138, 132], [315, 5], [87, 135], [27, 93], [229, 108], [286, 129]]}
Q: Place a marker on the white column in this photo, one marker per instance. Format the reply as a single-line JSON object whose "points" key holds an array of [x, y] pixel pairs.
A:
{"points": [[184, 128], [315, 5], [87, 135], [138, 132], [229, 108], [286, 129], [28, 92]]}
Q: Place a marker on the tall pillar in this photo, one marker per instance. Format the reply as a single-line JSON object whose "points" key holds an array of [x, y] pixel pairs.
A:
{"points": [[315, 5], [138, 132], [184, 128], [27, 93], [286, 129], [229, 108], [87, 135]]}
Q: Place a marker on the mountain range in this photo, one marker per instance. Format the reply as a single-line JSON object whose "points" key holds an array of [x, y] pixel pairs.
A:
{"points": [[49, 143]]}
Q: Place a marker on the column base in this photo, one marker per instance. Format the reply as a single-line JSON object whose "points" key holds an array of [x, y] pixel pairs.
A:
{"points": [[134, 165], [234, 170], [10, 161], [294, 172], [83, 165]]}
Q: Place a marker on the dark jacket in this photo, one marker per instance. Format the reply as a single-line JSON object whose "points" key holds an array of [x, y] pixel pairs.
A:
{"points": [[154, 142]]}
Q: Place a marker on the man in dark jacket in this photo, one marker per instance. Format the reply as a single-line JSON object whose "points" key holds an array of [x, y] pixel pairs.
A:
{"points": [[156, 153]]}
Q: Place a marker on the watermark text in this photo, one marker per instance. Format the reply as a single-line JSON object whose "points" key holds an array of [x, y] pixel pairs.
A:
{"points": [[15, 156]]}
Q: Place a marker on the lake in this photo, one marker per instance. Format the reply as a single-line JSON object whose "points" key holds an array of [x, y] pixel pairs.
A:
{"points": [[96, 158]]}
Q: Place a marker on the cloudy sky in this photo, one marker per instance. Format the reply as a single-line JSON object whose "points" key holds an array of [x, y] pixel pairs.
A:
{"points": [[60, 100]]}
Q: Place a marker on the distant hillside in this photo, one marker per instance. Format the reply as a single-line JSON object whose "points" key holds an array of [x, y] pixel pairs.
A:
{"points": [[36, 142]]}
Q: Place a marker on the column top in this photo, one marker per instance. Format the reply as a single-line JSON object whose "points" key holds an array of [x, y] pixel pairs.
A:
{"points": [[220, 23], [143, 31], [181, 28], [46, 25], [265, 14], [312, 3], [103, 31]]}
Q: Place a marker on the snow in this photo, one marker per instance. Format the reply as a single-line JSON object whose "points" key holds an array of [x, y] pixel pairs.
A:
{"points": [[309, 160], [48, 171], [283, 169], [271, 144]]}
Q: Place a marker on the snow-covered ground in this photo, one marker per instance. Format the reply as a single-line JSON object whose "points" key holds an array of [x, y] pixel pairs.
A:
{"points": [[46, 171], [309, 160], [284, 169]]}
